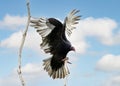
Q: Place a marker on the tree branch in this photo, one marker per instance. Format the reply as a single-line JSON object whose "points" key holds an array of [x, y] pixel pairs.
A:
{"points": [[21, 46]]}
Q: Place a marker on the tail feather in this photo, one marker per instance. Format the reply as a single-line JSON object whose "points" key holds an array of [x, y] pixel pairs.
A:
{"points": [[55, 74]]}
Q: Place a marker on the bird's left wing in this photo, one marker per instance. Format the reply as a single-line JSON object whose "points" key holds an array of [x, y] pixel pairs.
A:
{"points": [[70, 21]]}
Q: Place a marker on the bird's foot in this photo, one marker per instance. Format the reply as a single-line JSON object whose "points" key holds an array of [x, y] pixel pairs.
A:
{"points": [[66, 60]]}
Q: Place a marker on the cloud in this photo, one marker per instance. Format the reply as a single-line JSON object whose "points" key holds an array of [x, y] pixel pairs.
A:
{"points": [[113, 81], [32, 69], [101, 28], [12, 22], [32, 41], [116, 38], [78, 41], [10, 80], [13, 41], [31, 72], [109, 63]]}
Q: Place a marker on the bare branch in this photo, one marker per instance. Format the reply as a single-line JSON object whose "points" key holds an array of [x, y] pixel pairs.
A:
{"points": [[21, 46]]}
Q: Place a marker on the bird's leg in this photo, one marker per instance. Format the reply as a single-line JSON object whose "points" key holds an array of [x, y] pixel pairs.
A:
{"points": [[66, 59]]}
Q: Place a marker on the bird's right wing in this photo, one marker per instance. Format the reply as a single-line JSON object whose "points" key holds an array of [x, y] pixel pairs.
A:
{"points": [[44, 28]]}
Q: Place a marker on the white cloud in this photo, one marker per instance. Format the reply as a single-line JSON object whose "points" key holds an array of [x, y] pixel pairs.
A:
{"points": [[13, 41], [109, 63], [31, 73], [32, 41], [31, 68], [78, 41], [101, 28], [10, 80], [116, 38], [113, 81], [13, 22]]}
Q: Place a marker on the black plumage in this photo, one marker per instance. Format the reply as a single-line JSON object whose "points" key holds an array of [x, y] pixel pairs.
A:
{"points": [[54, 41]]}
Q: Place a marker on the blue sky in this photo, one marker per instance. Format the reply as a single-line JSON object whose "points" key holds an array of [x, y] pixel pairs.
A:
{"points": [[96, 39]]}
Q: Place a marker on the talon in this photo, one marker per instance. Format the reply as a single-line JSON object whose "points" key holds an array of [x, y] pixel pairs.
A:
{"points": [[69, 62], [66, 59]]}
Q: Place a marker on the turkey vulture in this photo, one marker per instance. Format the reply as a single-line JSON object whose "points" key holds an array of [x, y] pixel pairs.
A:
{"points": [[55, 42]]}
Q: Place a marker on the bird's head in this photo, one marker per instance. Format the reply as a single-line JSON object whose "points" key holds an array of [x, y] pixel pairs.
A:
{"points": [[72, 48]]}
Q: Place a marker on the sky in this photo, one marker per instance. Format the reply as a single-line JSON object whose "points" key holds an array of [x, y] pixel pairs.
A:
{"points": [[96, 39]]}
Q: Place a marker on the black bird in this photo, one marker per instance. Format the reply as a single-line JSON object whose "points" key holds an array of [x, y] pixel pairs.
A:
{"points": [[55, 42]]}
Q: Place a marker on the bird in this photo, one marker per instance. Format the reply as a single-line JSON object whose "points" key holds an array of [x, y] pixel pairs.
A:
{"points": [[54, 41]]}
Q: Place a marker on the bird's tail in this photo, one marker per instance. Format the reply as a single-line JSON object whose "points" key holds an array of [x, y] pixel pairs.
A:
{"points": [[60, 73]]}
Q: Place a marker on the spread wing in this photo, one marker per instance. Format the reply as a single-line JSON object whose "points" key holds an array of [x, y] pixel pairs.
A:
{"points": [[70, 21], [43, 26], [50, 31]]}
